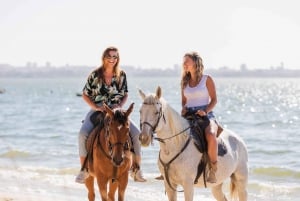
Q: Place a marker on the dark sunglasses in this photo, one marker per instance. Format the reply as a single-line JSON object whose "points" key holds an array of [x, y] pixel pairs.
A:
{"points": [[111, 57]]}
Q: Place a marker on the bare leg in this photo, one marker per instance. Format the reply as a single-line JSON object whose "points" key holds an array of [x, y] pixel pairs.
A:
{"points": [[212, 144]]}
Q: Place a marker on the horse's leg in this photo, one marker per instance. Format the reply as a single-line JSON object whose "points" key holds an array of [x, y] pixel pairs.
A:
{"points": [[112, 190], [123, 181], [218, 193], [239, 182], [89, 183], [102, 184], [188, 189], [172, 195]]}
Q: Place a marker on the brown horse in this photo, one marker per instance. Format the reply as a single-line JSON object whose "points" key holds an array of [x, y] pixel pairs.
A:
{"points": [[110, 159]]}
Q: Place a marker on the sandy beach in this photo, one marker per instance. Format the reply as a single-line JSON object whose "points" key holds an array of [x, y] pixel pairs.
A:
{"points": [[63, 188], [134, 192]]}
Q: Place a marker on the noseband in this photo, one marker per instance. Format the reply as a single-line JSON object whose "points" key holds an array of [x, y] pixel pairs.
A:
{"points": [[153, 127]]}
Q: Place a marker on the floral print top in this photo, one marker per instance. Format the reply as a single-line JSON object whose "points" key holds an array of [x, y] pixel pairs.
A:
{"points": [[99, 92]]}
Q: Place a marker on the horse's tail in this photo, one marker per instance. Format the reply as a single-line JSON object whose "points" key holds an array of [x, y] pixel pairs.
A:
{"points": [[233, 189]]}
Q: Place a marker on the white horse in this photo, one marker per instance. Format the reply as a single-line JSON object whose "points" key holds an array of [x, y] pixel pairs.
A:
{"points": [[179, 158]]}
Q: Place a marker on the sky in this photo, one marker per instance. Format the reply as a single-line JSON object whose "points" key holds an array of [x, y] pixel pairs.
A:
{"points": [[151, 34]]}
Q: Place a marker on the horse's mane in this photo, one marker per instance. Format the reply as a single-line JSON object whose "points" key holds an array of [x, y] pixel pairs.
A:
{"points": [[177, 123], [119, 116], [150, 99], [174, 119]]}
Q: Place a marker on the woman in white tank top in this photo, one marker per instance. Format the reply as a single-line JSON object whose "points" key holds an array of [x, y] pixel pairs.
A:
{"points": [[199, 95]]}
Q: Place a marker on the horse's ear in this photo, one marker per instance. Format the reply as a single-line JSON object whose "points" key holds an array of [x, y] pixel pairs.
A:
{"points": [[158, 92], [143, 96], [129, 110], [108, 110]]}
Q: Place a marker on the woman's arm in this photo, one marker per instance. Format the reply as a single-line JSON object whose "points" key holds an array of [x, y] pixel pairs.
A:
{"points": [[212, 93], [123, 101], [91, 103], [183, 103]]}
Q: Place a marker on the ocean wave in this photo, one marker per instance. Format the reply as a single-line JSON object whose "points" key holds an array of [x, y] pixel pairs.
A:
{"points": [[49, 171], [276, 172], [15, 154]]}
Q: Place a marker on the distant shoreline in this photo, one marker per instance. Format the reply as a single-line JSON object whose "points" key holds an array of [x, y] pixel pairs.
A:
{"points": [[7, 71]]}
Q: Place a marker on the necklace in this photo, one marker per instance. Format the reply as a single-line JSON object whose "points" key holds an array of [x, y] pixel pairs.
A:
{"points": [[108, 78]]}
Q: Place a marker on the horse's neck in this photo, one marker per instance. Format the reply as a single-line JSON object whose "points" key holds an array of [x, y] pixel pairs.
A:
{"points": [[173, 125]]}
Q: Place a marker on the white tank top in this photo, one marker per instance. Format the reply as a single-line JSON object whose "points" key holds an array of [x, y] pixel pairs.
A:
{"points": [[198, 95]]}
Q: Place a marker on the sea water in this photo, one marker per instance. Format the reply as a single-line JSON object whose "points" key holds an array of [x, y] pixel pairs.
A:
{"points": [[40, 119]]}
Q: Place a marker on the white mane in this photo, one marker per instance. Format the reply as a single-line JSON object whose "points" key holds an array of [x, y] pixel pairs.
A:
{"points": [[175, 121]]}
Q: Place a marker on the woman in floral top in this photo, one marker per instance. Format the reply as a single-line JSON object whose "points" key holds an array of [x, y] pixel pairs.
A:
{"points": [[106, 85]]}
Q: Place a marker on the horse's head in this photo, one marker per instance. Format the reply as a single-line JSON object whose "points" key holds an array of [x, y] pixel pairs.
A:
{"points": [[117, 124], [150, 115]]}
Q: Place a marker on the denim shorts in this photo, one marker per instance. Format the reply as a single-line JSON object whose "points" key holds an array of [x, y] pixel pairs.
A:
{"points": [[210, 115]]}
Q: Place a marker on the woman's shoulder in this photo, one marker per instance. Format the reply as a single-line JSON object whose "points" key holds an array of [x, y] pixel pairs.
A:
{"points": [[208, 76], [95, 71], [209, 79], [122, 72]]}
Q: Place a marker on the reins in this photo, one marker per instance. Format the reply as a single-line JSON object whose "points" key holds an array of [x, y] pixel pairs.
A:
{"points": [[162, 140]]}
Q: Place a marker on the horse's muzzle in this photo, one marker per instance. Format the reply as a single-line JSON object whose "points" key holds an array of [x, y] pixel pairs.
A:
{"points": [[145, 139], [117, 161]]}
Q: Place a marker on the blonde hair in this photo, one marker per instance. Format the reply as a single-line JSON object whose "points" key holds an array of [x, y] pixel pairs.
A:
{"points": [[116, 70], [186, 76]]}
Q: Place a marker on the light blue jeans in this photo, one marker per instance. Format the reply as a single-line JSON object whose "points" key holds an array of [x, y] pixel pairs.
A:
{"points": [[87, 127]]}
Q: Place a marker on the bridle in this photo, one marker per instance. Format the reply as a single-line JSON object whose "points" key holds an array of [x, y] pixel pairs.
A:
{"points": [[160, 115], [153, 128], [124, 145], [111, 145]]}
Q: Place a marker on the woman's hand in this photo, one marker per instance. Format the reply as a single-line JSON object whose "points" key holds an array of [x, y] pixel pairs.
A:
{"points": [[201, 113], [99, 108]]}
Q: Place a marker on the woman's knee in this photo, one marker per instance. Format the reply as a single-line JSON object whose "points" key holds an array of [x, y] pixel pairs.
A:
{"points": [[211, 129]]}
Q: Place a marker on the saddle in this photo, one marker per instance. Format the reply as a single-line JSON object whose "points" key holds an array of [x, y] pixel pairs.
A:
{"points": [[198, 125], [99, 121], [97, 118]]}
